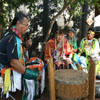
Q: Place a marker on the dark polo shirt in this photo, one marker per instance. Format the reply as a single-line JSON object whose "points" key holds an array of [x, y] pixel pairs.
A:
{"points": [[8, 50]]}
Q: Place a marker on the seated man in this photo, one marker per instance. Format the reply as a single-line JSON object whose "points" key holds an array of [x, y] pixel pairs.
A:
{"points": [[60, 49], [90, 47]]}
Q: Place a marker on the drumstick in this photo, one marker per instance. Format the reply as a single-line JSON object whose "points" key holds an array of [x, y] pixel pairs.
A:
{"points": [[55, 49], [63, 51]]}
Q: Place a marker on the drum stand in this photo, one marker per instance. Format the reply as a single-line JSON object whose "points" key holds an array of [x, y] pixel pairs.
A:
{"points": [[1, 88], [12, 97]]}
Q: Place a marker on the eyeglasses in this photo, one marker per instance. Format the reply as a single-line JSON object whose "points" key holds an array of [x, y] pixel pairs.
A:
{"points": [[24, 24]]}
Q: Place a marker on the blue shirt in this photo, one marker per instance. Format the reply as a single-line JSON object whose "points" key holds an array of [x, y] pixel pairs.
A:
{"points": [[8, 50]]}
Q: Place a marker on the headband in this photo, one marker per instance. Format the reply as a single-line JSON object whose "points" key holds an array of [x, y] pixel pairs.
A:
{"points": [[91, 32]]}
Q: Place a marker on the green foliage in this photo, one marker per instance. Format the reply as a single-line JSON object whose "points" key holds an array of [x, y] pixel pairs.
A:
{"points": [[67, 1], [4, 14], [7, 6], [56, 2], [95, 3], [92, 2], [98, 6], [75, 9]]}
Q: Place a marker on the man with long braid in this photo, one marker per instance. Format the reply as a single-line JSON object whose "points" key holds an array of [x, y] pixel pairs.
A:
{"points": [[89, 46], [12, 60]]}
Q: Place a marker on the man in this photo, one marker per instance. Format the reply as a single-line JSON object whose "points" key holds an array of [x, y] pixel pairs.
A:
{"points": [[12, 57], [90, 47]]}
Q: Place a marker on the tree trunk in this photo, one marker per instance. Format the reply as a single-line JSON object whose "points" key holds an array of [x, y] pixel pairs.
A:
{"points": [[84, 17], [45, 18]]}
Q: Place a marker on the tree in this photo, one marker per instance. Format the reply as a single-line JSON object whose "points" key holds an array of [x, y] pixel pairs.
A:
{"points": [[72, 4], [7, 7], [45, 19]]}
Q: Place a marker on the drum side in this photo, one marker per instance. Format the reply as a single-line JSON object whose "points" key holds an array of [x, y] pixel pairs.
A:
{"points": [[71, 89]]}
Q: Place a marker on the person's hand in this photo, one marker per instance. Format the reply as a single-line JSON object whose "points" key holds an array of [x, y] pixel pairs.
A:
{"points": [[58, 63], [40, 76], [74, 50], [29, 43], [68, 61]]}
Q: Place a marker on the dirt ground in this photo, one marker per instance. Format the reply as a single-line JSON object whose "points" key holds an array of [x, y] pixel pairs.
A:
{"points": [[18, 95], [44, 96]]}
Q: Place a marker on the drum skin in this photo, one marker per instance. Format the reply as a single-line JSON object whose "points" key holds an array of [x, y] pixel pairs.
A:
{"points": [[71, 84]]}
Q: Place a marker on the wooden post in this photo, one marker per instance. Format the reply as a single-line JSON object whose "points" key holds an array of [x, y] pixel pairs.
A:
{"points": [[92, 79], [51, 79]]}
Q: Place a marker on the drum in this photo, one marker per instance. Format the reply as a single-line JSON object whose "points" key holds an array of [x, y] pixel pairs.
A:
{"points": [[71, 84]]}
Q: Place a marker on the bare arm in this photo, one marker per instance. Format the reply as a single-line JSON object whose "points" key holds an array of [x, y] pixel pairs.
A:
{"points": [[17, 66]]}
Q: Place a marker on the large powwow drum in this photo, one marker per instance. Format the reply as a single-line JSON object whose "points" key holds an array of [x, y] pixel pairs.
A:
{"points": [[71, 84]]}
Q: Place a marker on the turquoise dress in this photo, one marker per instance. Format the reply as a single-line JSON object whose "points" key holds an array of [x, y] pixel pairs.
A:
{"points": [[73, 42], [76, 59]]}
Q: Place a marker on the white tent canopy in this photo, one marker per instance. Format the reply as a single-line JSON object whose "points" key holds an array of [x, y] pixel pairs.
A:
{"points": [[97, 21]]}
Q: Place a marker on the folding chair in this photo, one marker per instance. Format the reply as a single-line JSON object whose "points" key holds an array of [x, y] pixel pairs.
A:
{"points": [[1, 83]]}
